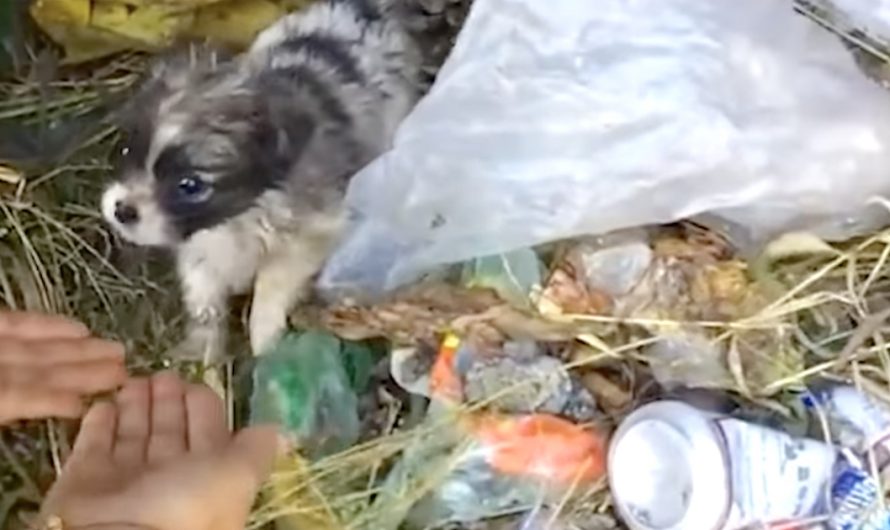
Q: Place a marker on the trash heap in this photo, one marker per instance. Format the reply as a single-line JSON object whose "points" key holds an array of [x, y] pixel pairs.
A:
{"points": [[524, 389], [618, 285]]}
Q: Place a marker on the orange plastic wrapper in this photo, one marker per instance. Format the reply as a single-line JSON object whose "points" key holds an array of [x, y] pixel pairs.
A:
{"points": [[544, 447], [445, 382], [538, 446]]}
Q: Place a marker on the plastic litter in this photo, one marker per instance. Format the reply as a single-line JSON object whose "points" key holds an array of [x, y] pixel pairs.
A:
{"points": [[513, 275], [557, 119], [860, 423], [673, 281], [411, 370], [688, 360], [511, 458], [616, 269], [856, 501], [504, 464], [517, 380], [307, 383], [855, 420]]}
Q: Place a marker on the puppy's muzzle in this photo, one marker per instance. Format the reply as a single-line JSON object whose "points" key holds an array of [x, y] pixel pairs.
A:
{"points": [[125, 214]]}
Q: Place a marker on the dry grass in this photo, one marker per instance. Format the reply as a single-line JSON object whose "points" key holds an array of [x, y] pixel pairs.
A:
{"points": [[56, 254]]}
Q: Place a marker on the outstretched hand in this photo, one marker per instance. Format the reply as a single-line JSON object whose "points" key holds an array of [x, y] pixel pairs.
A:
{"points": [[161, 457], [48, 364]]}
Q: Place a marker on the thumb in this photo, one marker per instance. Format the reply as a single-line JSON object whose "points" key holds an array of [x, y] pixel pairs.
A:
{"points": [[256, 449], [249, 458]]}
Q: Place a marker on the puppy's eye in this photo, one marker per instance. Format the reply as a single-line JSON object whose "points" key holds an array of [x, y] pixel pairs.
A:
{"points": [[121, 152], [192, 187]]}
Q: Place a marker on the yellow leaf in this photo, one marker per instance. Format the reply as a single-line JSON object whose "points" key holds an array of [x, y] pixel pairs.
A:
{"points": [[65, 12], [293, 5], [797, 244], [187, 4], [235, 22], [84, 43], [150, 27], [67, 22], [91, 30]]}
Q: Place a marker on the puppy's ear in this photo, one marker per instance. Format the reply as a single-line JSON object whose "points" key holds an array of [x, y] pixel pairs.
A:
{"points": [[288, 127], [173, 71], [170, 73]]}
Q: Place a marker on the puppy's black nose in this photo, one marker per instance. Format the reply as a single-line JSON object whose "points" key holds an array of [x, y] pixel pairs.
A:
{"points": [[125, 214]]}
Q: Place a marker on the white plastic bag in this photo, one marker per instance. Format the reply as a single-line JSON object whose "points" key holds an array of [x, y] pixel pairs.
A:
{"points": [[869, 16], [560, 118]]}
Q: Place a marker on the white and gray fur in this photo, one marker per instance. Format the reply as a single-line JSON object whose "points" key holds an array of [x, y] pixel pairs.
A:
{"points": [[240, 166]]}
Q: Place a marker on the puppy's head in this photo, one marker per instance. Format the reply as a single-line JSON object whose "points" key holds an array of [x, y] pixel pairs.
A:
{"points": [[201, 142]]}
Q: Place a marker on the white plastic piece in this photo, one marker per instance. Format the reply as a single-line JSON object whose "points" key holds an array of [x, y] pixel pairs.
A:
{"points": [[616, 270], [561, 118]]}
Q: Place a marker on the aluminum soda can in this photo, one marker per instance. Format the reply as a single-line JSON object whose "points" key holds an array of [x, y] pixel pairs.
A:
{"points": [[674, 467]]}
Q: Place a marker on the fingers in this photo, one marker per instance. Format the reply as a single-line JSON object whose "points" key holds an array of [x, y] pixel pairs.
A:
{"points": [[133, 423], [207, 426], [29, 402], [256, 449], [96, 437], [34, 392], [168, 418], [26, 325], [50, 351], [48, 363], [86, 378]]}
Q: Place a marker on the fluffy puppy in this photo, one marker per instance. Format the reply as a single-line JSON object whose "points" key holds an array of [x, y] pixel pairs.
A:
{"points": [[240, 166]]}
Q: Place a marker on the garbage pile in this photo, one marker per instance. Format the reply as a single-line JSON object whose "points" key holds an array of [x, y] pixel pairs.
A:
{"points": [[628, 266], [576, 407]]}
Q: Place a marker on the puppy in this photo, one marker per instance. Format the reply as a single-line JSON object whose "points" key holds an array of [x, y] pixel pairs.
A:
{"points": [[240, 165]]}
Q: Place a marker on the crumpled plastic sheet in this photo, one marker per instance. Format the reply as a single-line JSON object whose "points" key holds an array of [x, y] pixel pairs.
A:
{"points": [[556, 119], [871, 16]]}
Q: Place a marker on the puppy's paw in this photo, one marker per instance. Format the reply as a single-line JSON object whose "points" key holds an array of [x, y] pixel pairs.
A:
{"points": [[200, 345], [187, 350], [266, 328]]}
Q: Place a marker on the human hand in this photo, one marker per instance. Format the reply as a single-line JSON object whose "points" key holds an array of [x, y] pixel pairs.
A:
{"points": [[161, 457], [48, 364]]}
